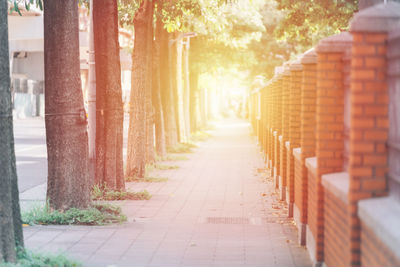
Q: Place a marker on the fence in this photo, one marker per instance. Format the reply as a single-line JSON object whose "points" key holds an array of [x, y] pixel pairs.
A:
{"points": [[329, 127]]}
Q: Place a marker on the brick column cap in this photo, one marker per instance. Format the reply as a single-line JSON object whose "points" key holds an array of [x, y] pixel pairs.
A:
{"points": [[377, 18], [309, 57], [279, 70], [296, 66], [286, 71], [335, 44]]}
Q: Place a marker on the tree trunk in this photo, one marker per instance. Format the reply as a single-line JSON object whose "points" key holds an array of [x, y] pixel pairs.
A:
{"points": [[166, 87], [109, 117], [179, 90], [10, 217], [150, 154], [92, 103], [186, 87], [173, 78], [66, 127], [136, 158], [203, 107], [194, 102], [158, 107]]}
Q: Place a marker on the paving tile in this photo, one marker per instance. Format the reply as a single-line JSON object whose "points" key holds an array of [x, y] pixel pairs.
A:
{"points": [[220, 180]]}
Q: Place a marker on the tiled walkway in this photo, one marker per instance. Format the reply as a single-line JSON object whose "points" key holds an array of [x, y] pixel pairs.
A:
{"points": [[218, 209]]}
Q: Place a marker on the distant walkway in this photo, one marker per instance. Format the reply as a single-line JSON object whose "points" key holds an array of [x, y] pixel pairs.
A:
{"points": [[218, 209]]}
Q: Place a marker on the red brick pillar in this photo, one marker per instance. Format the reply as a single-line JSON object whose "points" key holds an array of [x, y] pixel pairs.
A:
{"points": [[330, 145], [270, 130], [265, 122], [278, 129], [285, 131], [306, 147], [261, 121], [314, 229], [294, 131], [369, 126]]}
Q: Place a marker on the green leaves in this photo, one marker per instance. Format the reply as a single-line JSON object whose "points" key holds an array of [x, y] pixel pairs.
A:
{"points": [[15, 5], [308, 21]]}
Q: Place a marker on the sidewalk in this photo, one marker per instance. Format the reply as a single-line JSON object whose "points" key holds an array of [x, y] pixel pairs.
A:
{"points": [[218, 209]]}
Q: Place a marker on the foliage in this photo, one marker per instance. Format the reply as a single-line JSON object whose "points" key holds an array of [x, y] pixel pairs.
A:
{"points": [[146, 179], [97, 214], [109, 195], [307, 21], [26, 258], [182, 148], [269, 52]]}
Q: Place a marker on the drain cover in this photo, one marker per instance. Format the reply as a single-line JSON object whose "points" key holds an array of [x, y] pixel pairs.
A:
{"points": [[242, 220], [227, 220]]}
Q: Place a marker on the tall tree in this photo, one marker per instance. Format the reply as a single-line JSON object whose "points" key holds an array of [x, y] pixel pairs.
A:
{"points": [[167, 94], [109, 117], [150, 153], [137, 137], [66, 127], [186, 86], [156, 94], [10, 217]]}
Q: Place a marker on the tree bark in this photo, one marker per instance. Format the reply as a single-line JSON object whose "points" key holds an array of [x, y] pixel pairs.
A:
{"points": [[10, 217], [194, 102], [180, 90], [109, 116], [173, 79], [158, 107], [137, 137], [186, 87], [66, 127], [150, 153], [166, 84]]}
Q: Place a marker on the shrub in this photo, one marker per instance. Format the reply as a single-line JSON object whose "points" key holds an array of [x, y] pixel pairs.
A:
{"points": [[97, 214]]}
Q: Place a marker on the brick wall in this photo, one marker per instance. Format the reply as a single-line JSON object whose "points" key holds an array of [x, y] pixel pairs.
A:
{"points": [[285, 130], [370, 124], [278, 99], [338, 110], [375, 252], [336, 239], [294, 130]]}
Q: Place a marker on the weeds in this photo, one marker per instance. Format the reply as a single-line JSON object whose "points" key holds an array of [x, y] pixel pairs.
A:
{"points": [[200, 136], [146, 179], [96, 214], [108, 195], [26, 258], [171, 157], [182, 148]]}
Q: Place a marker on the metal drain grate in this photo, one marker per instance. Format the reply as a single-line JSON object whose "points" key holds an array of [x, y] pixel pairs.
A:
{"points": [[243, 220], [227, 220]]}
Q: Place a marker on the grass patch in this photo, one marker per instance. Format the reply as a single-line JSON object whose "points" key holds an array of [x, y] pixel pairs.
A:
{"points": [[171, 157], [200, 136], [97, 214], [109, 195], [26, 258], [146, 179], [157, 166], [165, 167], [182, 148]]}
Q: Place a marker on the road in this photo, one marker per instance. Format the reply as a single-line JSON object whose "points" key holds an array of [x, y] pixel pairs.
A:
{"points": [[31, 152]]}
